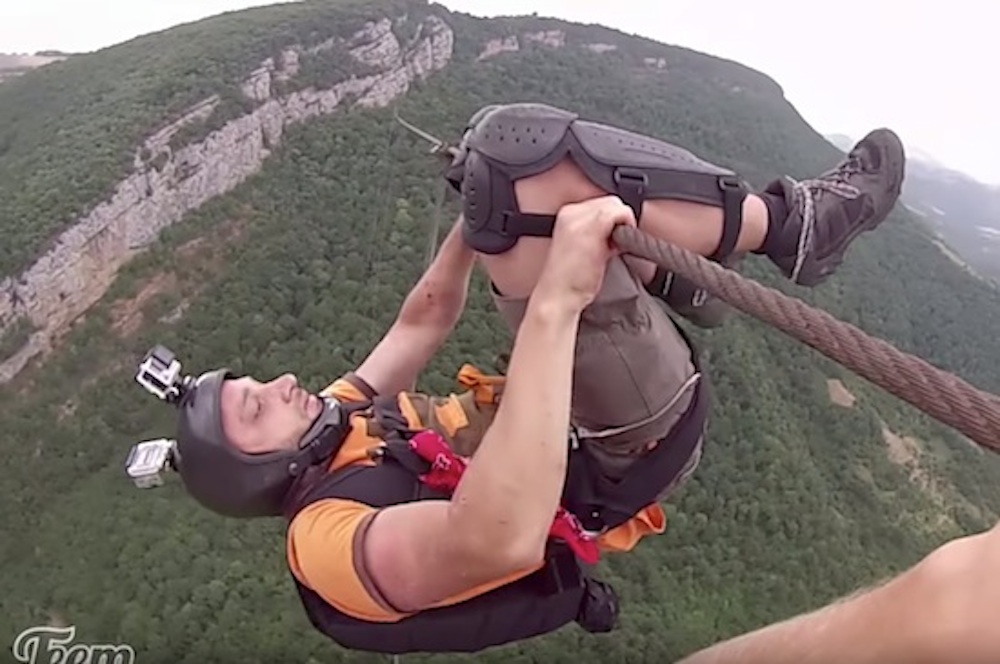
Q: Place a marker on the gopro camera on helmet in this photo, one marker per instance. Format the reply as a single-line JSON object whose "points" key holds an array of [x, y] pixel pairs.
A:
{"points": [[148, 460], [160, 374]]}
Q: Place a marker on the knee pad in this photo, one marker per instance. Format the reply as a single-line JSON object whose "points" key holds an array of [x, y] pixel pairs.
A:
{"points": [[504, 143]]}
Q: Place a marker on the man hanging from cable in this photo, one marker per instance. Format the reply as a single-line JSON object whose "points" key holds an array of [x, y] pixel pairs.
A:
{"points": [[456, 523]]}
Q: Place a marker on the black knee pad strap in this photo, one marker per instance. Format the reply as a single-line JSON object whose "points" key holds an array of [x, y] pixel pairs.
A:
{"points": [[505, 143]]}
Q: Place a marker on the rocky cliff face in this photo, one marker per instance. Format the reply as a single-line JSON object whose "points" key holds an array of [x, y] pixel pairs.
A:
{"points": [[168, 183], [512, 43]]}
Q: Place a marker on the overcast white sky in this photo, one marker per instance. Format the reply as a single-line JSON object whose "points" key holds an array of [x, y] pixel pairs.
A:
{"points": [[928, 70]]}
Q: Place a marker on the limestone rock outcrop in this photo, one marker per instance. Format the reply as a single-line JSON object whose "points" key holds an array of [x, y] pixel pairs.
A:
{"points": [[166, 182]]}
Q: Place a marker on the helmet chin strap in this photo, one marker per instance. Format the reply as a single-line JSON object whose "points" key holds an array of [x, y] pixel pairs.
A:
{"points": [[322, 438], [314, 429]]}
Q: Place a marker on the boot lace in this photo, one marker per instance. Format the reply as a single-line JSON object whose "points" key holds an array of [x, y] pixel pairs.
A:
{"points": [[804, 196]]}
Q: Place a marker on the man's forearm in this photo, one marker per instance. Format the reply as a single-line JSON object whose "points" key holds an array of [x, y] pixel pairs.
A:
{"points": [[872, 627], [439, 296], [428, 315], [512, 487]]}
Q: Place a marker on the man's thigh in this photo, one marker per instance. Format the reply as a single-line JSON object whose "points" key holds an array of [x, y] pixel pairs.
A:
{"points": [[633, 371], [515, 272]]}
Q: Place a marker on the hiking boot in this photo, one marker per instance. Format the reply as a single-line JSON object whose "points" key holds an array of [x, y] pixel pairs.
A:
{"points": [[691, 301], [827, 212]]}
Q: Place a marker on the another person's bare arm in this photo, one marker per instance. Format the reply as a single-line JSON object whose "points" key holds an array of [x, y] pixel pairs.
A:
{"points": [[940, 611]]}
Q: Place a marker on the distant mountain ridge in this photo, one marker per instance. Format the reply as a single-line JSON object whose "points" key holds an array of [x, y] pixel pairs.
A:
{"points": [[962, 212], [16, 64]]}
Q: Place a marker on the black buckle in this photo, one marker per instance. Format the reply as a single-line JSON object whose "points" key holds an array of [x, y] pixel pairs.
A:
{"points": [[561, 571], [631, 174], [503, 230], [631, 184], [729, 182]]}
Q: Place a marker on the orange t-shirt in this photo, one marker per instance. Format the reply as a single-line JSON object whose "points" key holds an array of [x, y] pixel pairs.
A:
{"points": [[324, 539]]}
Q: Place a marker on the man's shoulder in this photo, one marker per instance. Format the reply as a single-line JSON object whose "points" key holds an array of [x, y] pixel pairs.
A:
{"points": [[323, 528], [324, 545], [347, 513], [349, 387]]}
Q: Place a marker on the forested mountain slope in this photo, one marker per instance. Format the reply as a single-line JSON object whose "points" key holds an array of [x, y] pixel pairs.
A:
{"points": [[238, 190]]}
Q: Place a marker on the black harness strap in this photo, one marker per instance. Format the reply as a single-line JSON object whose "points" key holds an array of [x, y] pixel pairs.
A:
{"points": [[634, 187], [733, 194], [390, 417]]}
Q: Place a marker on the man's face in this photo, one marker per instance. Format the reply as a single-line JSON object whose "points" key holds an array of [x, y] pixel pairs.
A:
{"points": [[264, 417]]}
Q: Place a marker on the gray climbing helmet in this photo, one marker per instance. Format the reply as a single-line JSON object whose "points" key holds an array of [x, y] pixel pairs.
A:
{"points": [[216, 474]]}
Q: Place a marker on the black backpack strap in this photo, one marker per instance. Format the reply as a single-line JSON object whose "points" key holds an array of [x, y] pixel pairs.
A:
{"points": [[390, 417]]}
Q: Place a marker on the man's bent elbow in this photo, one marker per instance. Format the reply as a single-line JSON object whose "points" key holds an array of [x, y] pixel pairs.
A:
{"points": [[524, 555], [503, 562], [495, 555]]}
